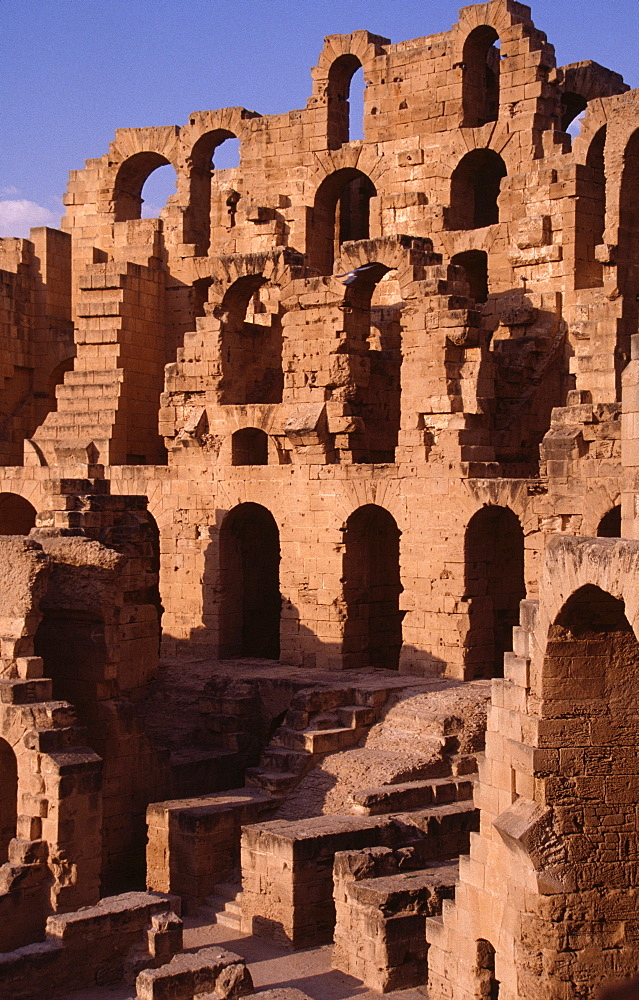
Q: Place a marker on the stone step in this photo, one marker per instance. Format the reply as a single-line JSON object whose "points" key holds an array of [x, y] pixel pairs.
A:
{"points": [[19, 692], [52, 740], [412, 795], [317, 741], [355, 716], [321, 699], [280, 759], [271, 781]]}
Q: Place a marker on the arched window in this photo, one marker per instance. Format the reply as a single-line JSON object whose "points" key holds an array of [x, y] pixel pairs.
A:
{"points": [[131, 178], [8, 798], [481, 60], [610, 524], [343, 110], [341, 212], [371, 580], [591, 216], [17, 515], [250, 602], [475, 265], [249, 446], [494, 586], [251, 346], [474, 190], [215, 150]]}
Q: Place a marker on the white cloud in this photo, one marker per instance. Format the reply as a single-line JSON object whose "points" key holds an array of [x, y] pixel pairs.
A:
{"points": [[9, 190], [18, 215]]}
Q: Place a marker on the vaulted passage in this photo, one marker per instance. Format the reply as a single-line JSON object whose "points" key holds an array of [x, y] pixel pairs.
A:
{"points": [[494, 586], [8, 798], [373, 628], [250, 604]]}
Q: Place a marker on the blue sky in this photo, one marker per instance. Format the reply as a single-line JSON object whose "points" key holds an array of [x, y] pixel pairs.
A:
{"points": [[72, 71]]}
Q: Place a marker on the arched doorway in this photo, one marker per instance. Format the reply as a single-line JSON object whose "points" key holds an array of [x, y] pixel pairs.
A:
{"points": [[250, 605], [628, 255], [475, 265], [8, 798], [591, 216], [371, 582], [17, 515], [214, 150], [474, 190], [341, 212], [494, 587]]}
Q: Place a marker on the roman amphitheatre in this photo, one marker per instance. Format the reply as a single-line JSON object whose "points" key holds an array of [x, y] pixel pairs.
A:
{"points": [[319, 519]]}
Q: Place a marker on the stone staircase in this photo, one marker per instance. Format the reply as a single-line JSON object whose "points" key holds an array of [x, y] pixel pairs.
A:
{"points": [[224, 907], [318, 722]]}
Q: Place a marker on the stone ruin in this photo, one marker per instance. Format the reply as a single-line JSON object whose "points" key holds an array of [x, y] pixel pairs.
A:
{"points": [[319, 524]]}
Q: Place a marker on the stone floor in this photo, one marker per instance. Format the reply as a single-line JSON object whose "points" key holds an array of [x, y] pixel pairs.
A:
{"points": [[270, 965]]}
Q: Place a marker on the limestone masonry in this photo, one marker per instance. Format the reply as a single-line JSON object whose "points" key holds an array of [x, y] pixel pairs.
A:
{"points": [[319, 528]]}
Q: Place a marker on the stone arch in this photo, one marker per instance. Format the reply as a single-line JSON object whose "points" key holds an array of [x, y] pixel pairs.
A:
{"points": [[341, 213], [371, 587], [129, 181], [480, 81], [250, 599], [494, 586], [474, 190], [250, 344], [17, 515], [488, 985], [8, 798]]}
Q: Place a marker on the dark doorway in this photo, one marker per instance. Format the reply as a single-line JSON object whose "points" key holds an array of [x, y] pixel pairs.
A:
{"points": [[610, 524], [474, 190], [251, 603], [72, 644], [17, 515], [371, 580], [8, 798], [249, 446], [494, 586], [481, 77], [475, 264]]}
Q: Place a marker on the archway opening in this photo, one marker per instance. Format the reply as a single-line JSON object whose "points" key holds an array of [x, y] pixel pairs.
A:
{"points": [[345, 101], [480, 89], [475, 265], [211, 205], [17, 515], [8, 798], [250, 605], [372, 585], [591, 216], [341, 212], [131, 178], [610, 524], [249, 446], [251, 345], [628, 255], [474, 190], [494, 587]]}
